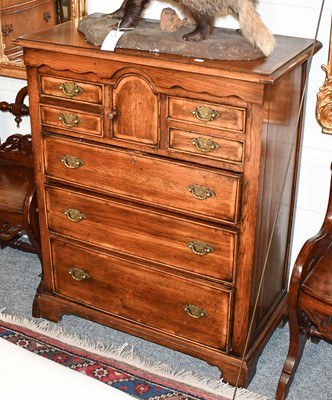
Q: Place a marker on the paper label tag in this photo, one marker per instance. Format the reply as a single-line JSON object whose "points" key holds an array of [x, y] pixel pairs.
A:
{"points": [[111, 40]]}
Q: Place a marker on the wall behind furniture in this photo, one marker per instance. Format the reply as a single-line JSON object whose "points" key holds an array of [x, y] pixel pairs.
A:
{"points": [[285, 17]]}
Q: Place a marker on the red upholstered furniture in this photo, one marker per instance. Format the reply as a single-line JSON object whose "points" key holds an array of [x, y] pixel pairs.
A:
{"points": [[310, 299]]}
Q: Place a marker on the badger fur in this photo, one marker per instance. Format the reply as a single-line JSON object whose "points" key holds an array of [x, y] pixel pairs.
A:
{"points": [[204, 14]]}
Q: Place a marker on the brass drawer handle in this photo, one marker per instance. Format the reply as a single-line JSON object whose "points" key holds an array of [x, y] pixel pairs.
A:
{"points": [[199, 248], [205, 145], [71, 162], [200, 192], [195, 311], [6, 30], [47, 16], [205, 114], [71, 89], [70, 120], [78, 274], [74, 215]]}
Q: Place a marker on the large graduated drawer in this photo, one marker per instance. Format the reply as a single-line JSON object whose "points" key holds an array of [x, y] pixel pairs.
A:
{"points": [[193, 190], [133, 230], [160, 191], [149, 297]]}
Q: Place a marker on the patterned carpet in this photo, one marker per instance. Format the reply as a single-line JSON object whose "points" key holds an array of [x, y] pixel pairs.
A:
{"points": [[119, 368]]}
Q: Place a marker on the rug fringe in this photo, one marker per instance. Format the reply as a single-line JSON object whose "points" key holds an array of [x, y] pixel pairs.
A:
{"points": [[129, 356]]}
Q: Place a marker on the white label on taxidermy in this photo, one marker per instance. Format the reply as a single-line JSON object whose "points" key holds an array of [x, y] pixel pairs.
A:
{"points": [[111, 40]]}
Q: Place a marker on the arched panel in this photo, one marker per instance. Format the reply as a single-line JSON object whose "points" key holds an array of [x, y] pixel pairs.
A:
{"points": [[135, 111]]}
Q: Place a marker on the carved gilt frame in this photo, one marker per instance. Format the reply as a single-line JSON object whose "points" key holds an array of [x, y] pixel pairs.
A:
{"points": [[324, 96], [16, 69]]}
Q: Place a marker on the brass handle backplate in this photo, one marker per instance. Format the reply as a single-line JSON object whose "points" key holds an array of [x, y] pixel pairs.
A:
{"points": [[195, 311], [78, 274], [71, 89], [6, 30], [200, 192], [71, 162], [205, 114], [205, 145], [199, 248], [47, 16], [70, 120], [74, 215]]}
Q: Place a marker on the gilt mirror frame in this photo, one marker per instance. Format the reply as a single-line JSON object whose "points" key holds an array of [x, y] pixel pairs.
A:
{"points": [[324, 96], [17, 69]]}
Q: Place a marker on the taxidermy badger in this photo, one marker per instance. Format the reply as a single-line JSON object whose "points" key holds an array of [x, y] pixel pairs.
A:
{"points": [[204, 14]]}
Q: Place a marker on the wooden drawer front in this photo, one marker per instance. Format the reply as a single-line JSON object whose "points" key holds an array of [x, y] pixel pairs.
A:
{"points": [[206, 114], [175, 186], [146, 296], [214, 147], [68, 120], [71, 90], [143, 233]]}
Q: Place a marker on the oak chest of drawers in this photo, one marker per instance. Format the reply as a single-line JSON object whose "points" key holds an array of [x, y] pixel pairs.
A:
{"points": [[166, 191]]}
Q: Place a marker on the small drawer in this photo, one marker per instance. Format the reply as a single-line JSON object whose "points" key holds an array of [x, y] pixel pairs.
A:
{"points": [[71, 121], [175, 186], [71, 90], [144, 233], [207, 114], [197, 311], [207, 146]]}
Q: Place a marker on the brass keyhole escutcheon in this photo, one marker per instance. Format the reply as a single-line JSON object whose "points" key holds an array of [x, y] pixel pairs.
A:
{"points": [[205, 145], [71, 162], [205, 114], [78, 274], [200, 248], [195, 311], [70, 120], [71, 89], [200, 192], [74, 215]]}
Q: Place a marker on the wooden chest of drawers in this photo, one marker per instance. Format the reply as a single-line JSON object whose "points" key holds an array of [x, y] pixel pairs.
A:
{"points": [[19, 17], [166, 191]]}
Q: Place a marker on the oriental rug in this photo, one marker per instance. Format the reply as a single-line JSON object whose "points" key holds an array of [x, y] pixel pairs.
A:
{"points": [[120, 368]]}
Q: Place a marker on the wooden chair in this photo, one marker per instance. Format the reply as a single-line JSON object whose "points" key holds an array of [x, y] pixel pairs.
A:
{"points": [[18, 205], [310, 299]]}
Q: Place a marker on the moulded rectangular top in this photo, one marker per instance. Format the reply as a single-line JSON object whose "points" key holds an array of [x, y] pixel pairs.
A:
{"points": [[65, 38]]}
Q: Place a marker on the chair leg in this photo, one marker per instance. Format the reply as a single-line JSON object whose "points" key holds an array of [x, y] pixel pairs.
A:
{"points": [[31, 226], [11, 233], [297, 342]]}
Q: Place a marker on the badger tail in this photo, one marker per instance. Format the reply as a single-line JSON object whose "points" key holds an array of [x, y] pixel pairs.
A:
{"points": [[253, 28]]}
